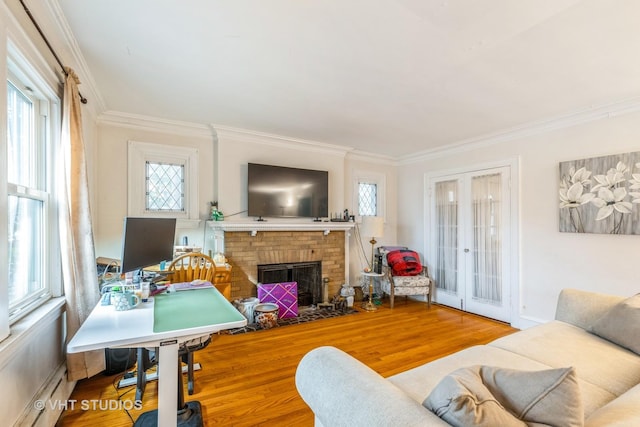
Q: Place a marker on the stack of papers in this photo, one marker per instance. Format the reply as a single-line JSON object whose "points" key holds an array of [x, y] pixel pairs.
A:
{"points": [[196, 284]]}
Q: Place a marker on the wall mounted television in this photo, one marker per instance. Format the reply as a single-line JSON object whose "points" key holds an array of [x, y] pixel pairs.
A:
{"points": [[286, 192], [146, 242]]}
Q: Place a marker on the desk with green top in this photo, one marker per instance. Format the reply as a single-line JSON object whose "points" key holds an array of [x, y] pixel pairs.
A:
{"points": [[166, 322]]}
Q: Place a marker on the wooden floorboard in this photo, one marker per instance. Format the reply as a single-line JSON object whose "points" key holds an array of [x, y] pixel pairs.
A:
{"points": [[248, 379]]}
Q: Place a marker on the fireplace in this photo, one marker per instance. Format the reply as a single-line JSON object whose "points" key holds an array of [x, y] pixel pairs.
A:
{"points": [[248, 244], [308, 276]]}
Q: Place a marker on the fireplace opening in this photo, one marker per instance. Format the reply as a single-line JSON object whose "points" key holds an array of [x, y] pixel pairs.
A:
{"points": [[308, 276]]}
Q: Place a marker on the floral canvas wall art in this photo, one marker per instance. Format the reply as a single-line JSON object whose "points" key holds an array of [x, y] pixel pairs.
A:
{"points": [[601, 195]]}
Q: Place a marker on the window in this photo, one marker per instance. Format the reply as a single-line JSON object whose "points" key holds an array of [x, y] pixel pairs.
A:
{"points": [[32, 244], [164, 187], [367, 199], [163, 182], [369, 194]]}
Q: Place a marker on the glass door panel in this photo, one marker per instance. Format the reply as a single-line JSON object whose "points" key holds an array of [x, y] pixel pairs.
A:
{"points": [[470, 229]]}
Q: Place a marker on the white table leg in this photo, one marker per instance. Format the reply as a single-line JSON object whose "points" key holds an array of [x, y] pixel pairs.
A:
{"points": [[168, 384]]}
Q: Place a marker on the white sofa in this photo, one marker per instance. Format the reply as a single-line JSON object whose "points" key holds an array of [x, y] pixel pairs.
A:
{"points": [[341, 391]]}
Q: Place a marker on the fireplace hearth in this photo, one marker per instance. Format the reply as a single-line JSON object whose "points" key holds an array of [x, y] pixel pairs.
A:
{"points": [[308, 276]]}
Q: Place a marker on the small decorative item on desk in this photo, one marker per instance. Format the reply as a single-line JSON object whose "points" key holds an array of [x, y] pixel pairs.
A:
{"points": [[144, 287], [124, 300]]}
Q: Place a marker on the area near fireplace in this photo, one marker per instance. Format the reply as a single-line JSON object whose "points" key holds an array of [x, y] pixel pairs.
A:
{"points": [[249, 245], [307, 275]]}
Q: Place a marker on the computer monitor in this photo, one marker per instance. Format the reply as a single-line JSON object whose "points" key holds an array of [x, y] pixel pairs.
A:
{"points": [[146, 242]]}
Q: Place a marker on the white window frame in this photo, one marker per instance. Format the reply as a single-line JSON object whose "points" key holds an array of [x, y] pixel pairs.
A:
{"points": [[28, 79], [139, 153], [369, 177]]}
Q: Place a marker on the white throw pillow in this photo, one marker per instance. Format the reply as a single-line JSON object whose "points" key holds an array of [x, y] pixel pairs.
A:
{"points": [[491, 396]]}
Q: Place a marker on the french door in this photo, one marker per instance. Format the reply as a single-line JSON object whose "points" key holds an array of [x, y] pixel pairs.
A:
{"points": [[470, 241]]}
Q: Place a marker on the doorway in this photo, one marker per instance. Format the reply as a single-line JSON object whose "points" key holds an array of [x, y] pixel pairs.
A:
{"points": [[470, 238]]}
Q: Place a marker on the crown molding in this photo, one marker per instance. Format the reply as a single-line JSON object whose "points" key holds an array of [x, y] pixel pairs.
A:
{"points": [[605, 111], [154, 124], [366, 156], [224, 132]]}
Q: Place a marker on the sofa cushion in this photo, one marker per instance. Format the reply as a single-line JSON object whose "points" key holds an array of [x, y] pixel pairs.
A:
{"points": [[490, 396], [419, 381], [621, 324], [557, 344], [621, 412]]}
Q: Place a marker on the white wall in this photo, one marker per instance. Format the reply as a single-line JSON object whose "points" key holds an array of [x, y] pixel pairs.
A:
{"points": [[360, 249], [236, 149], [549, 260], [111, 204], [223, 176]]}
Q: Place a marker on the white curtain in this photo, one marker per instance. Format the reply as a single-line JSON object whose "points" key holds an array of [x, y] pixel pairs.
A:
{"points": [[487, 265], [76, 235], [446, 218]]}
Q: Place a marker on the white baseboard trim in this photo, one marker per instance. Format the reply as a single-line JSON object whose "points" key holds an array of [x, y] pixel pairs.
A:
{"points": [[47, 405]]}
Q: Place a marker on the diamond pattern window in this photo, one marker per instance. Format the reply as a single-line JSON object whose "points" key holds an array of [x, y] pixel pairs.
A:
{"points": [[367, 199], [164, 187], [163, 182]]}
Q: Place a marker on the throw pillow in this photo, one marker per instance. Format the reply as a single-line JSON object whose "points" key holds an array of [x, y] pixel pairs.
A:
{"points": [[621, 324], [404, 262], [462, 400], [490, 396]]}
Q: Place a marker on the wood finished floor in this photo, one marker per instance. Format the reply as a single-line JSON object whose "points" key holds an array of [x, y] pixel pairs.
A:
{"points": [[248, 379]]}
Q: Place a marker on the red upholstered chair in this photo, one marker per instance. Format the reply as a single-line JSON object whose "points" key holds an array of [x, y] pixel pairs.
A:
{"points": [[420, 285], [400, 285]]}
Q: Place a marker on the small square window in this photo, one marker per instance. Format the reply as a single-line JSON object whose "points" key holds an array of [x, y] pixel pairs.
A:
{"points": [[164, 187], [369, 193], [163, 182], [367, 199]]}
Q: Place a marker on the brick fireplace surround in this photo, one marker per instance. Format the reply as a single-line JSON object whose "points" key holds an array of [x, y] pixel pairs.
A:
{"points": [[246, 249]]}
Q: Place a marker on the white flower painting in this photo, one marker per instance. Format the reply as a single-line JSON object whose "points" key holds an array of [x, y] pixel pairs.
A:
{"points": [[601, 195]]}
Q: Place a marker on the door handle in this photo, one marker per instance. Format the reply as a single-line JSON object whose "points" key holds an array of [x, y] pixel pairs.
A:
{"points": [[466, 250]]}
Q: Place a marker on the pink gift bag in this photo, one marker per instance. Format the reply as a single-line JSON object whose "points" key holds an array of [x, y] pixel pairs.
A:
{"points": [[285, 295]]}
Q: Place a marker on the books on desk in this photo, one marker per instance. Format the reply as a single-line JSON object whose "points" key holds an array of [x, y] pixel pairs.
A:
{"points": [[195, 284]]}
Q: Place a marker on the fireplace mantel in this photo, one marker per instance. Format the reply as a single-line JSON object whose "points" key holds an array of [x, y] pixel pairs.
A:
{"points": [[249, 243], [279, 226]]}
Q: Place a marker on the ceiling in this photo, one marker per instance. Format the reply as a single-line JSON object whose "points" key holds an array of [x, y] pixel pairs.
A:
{"points": [[387, 77]]}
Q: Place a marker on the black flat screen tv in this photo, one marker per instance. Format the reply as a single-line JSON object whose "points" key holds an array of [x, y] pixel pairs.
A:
{"points": [[147, 241], [285, 192]]}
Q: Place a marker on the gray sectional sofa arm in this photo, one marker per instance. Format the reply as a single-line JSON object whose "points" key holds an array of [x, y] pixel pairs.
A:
{"points": [[369, 400]]}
